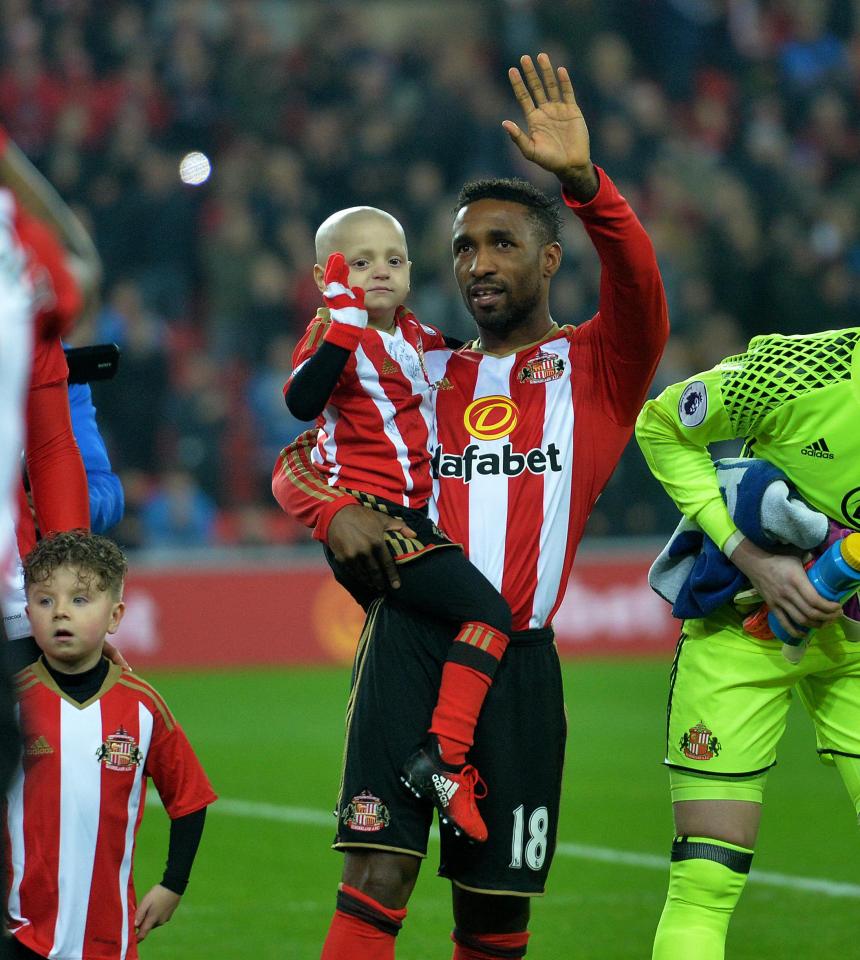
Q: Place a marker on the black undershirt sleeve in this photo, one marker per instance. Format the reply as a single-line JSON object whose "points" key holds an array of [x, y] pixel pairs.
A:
{"points": [[311, 387], [185, 833]]}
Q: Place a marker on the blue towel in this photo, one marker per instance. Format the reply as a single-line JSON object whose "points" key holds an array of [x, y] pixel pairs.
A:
{"points": [[695, 576]]}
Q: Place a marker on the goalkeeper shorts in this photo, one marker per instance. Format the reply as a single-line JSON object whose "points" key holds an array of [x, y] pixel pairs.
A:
{"points": [[730, 693]]}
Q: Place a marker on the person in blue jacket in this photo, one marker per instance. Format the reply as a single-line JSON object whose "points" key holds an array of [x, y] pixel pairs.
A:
{"points": [[107, 500]]}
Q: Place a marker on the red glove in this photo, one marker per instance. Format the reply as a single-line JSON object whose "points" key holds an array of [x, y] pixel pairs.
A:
{"points": [[345, 303]]}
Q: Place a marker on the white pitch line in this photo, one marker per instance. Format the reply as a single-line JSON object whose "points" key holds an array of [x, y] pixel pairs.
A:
{"points": [[831, 888], [576, 851]]}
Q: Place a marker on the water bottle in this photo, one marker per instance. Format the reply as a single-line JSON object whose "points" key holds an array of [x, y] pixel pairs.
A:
{"points": [[835, 575]]}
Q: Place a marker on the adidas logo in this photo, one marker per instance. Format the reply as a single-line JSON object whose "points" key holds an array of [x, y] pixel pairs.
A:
{"points": [[818, 449], [445, 788], [389, 366], [38, 748]]}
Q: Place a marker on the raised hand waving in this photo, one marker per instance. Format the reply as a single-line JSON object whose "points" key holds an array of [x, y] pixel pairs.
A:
{"points": [[557, 136], [345, 303]]}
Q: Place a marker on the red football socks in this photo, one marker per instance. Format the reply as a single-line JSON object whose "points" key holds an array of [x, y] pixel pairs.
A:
{"points": [[361, 927], [461, 696], [489, 946], [463, 689]]}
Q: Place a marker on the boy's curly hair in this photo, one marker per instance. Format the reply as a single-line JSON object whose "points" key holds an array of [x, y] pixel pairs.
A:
{"points": [[94, 557]]}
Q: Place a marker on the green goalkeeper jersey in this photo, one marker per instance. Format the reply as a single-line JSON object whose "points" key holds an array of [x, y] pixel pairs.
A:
{"points": [[796, 402]]}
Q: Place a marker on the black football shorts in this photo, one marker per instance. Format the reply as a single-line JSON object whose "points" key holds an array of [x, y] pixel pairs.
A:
{"points": [[519, 751]]}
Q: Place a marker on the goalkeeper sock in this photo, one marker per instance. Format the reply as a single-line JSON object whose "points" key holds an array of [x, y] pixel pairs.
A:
{"points": [[706, 879], [489, 946], [361, 927], [466, 677]]}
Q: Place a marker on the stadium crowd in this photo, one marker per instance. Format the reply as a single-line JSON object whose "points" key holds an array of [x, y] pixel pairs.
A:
{"points": [[730, 125]]}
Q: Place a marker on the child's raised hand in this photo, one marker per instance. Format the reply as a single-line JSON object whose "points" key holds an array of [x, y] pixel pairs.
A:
{"points": [[345, 303], [154, 910]]}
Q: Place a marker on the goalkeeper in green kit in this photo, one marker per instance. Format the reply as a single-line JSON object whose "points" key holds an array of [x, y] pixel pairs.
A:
{"points": [[796, 402]]}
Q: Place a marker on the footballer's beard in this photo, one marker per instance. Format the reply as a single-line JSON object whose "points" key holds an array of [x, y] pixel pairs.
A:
{"points": [[505, 320]]}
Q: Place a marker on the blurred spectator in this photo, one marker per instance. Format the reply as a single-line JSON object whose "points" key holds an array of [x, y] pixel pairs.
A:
{"points": [[165, 234], [229, 256], [274, 424], [255, 526], [267, 309], [132, 409], [197, 415], [178, 513], [137, 487], [810, 53]]}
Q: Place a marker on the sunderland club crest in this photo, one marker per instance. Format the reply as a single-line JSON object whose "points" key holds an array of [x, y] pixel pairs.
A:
{"points": [[542, 368], [366, 813], [120, 751], [698, 743]]}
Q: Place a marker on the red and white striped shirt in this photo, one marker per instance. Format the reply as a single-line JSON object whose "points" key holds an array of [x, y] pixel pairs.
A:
{"points": [[527, 441], [16, 336], [376, 429], [54, 464], [75, 806]]}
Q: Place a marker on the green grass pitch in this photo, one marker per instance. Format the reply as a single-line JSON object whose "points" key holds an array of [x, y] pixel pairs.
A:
{"points": [[264, 881]]}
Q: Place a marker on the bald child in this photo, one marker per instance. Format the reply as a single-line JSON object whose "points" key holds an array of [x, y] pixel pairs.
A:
{"points": [[363, 372], [373, 244]]}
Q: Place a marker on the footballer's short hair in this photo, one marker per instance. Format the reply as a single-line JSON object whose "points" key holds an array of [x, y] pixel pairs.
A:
{"points": [[95, 558], [542, 210]]}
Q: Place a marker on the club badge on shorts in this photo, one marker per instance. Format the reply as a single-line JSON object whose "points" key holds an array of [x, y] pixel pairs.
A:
{"points": [[541, 368], [699, 743], [120, 752], [366, 813]]}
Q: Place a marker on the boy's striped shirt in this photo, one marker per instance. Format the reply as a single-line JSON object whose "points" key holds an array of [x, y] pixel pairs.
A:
{"points": [[374, 432], [76, 803]]}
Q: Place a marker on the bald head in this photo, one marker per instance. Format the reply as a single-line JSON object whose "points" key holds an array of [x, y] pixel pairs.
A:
{"points": [[343, 228], [373, 245]]}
